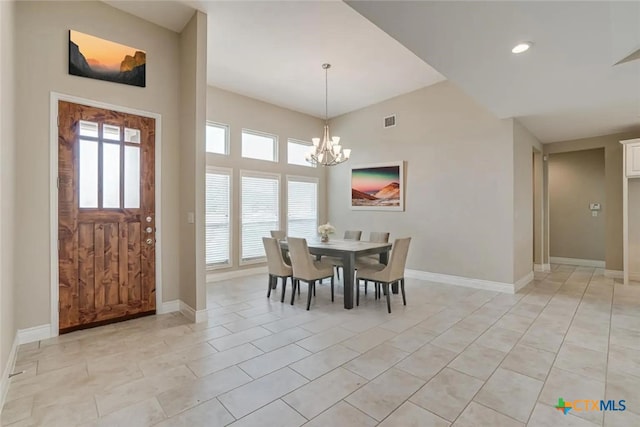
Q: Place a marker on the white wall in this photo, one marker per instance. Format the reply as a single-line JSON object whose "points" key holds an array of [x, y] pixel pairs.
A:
{"points": [[459, 173], [7, 182], [524, 144], [241, 112], [42, 40]]}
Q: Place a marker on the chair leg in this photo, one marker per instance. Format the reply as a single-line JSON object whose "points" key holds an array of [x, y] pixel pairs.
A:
{"points": [[270, 283], [338, 272], [366, 285], [331, 288], [284, 287], [404, 297], [386, 288], [314, 288], [311, 285], [293, 291], [357, 292]]}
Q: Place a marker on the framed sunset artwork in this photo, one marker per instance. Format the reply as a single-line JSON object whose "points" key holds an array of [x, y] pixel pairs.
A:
{"points": [[378, 187], [101, 59]]}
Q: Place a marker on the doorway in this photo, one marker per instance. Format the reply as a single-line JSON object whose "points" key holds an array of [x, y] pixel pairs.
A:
{"points": [[106, 216], [539, 262], [577, 208]]}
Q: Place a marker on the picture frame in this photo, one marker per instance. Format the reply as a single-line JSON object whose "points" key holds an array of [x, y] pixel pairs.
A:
{"points": [[378, 186], [101, 59]]}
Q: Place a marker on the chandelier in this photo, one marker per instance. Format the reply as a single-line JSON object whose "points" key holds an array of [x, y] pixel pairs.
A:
{"points": [[329, 152]]}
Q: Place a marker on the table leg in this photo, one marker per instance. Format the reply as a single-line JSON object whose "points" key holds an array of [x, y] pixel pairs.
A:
{"points": [[348, 270]]}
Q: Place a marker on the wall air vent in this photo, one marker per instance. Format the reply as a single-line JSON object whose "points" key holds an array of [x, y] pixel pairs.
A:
{"points": [[389, 121]]}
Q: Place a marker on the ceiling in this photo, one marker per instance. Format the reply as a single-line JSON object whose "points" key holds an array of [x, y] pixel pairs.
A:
{"points": [[565, 87], [274, 51]]}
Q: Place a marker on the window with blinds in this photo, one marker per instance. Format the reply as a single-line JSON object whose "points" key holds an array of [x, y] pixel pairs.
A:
{"points": [[302, 207], [260, 212], [217, 224]]}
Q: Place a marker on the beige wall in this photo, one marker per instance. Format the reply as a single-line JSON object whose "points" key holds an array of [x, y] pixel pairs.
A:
{"points": [[613, 187], [7, 182], [459, 176], [575, 180], [42, 38], [240, 112], [524, 145], [193, 98]]}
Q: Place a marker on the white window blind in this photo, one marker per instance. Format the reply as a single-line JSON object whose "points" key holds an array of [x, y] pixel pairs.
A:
{"points": [[218, 227], [217, 138], [260, 212], [261, 146], [297, 151], [302, 208]]}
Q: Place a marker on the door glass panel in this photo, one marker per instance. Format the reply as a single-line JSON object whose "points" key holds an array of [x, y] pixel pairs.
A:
{"points": [[132, 135], [110, 175], [88, 174], [111, 132], [88, 129], [131, 177]]}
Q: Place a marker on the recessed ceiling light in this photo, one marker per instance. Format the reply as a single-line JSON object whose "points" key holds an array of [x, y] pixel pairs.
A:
{"points": [[521, 47]]}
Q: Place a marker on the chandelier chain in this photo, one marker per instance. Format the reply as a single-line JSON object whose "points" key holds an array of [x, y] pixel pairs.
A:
{"points": [[327, 152]]}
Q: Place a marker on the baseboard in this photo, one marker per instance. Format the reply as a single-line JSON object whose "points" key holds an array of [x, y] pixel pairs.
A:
{"points": [[523, 281], [614, 274], [8, 369], [461, 281], [577, 261], [37, 333], [169, 307], [541, 267], [191, 314], [218, 277]]}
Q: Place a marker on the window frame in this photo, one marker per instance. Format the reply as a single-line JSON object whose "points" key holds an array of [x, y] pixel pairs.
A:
{"points": [[229, 172], [227, 138], [302, 178], [256, 174], [299, 142], [262, 134]]}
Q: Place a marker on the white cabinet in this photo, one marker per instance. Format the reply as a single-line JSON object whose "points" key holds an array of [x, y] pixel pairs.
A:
{"points": [[631, 210], [633, 158]]}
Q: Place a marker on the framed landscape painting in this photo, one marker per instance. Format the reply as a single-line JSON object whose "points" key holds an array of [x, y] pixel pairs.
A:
{"points": [[101, 59], [378, 187]]}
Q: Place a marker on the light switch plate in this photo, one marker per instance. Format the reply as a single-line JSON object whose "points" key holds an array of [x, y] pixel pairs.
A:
{"points": [[191, 218]]}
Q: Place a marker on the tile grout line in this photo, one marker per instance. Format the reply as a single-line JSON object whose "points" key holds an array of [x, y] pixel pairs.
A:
{"points": [[498, 367], [563, 338], [410, 354]]}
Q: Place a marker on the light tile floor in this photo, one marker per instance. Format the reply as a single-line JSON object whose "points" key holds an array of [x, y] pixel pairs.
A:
{"points": [[453, 356]]}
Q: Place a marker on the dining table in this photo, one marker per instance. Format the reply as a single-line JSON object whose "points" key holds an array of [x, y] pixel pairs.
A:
{"points": [[348, 251]]}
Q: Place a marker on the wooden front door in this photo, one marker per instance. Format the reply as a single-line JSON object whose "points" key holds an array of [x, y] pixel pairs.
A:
{"points": [[106, 216]]}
